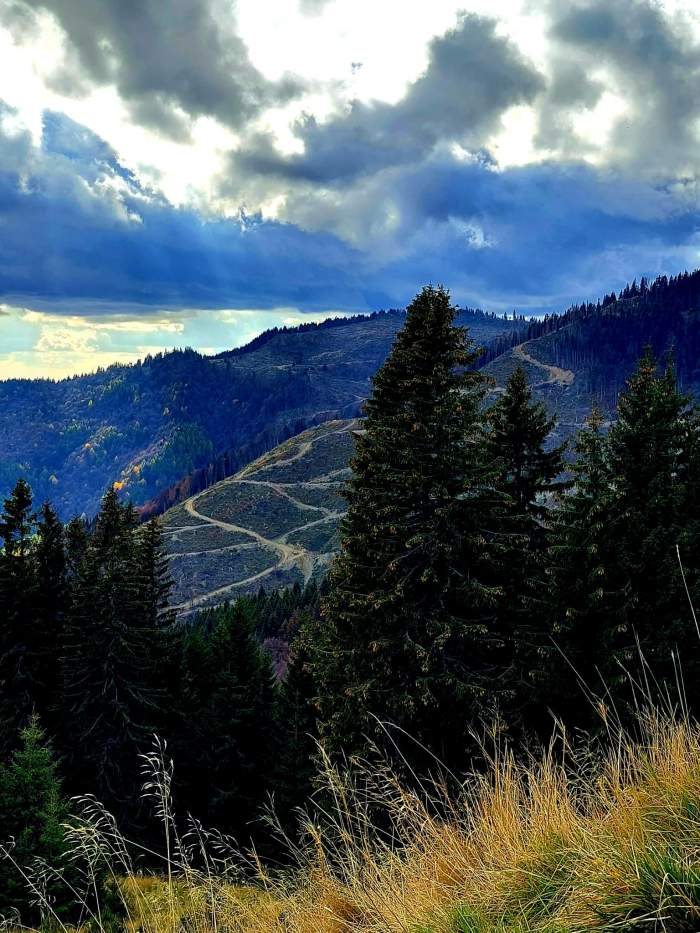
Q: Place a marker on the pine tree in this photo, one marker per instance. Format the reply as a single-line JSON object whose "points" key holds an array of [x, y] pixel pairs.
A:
{"points": [[527, 478], [110, 672], [226, 755], [161, 635], [154, 580], [32, 813], [585, 590], [646, 449], [406, 633], [49, 619], [241, 718], [297, 765], [527, 470], [76, 539], [17, 613], [617, 586]]}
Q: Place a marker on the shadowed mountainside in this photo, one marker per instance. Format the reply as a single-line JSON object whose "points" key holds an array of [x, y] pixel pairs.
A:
{"points": [[148, 425], [156, 426]]}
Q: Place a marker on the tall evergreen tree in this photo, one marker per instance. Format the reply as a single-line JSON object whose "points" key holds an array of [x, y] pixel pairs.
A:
{"points": [[110, 672], [617, 585], [407, 626], [526, 469], [646, 450], [32, 814], [228, 747], [242, 718], [585, 591], [527, 474], [17, 613], [298, 758], [50, 614], [76, 540], [161, 635]]}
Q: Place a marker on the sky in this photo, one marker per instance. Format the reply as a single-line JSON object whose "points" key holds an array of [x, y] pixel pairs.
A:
{"points": [[191, 172]]}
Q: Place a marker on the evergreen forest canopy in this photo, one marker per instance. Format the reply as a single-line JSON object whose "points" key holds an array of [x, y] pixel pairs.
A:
{"points": [[473, 581], [173, 424], [185, 420]]}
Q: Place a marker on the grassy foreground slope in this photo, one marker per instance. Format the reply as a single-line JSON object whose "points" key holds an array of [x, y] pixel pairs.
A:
{"points": [[608, 843], [272, 524]]}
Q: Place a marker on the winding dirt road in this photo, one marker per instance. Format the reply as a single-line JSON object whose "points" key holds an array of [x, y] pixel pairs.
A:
{"points": [[288, 555], [555, 374]]}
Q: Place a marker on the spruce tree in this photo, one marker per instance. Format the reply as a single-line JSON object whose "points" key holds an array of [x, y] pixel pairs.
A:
{"points": [[76, 540], [32, 814], [190, 739], [226, 752], [617, 585], [49, 620], [17, 613], [297, 764], [110, 672], [646, 449], [407, 633], [526, 470], [161, 635], [527, 474], [241, 716], [585, 591]]}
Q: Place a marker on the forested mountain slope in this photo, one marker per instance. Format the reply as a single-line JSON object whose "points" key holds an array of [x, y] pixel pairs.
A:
{"points": [[146, 426], [582, 357], [175, 423]]}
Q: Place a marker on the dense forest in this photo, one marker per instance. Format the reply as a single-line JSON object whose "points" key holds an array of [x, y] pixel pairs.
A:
{"points": [[601, 340], [180, 415], [479, 587]]}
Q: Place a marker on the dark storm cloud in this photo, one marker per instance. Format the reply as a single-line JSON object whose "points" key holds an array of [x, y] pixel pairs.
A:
{"points": [[183, 55], [536, 236], [473, 76], [71, 231], [77, 226]]}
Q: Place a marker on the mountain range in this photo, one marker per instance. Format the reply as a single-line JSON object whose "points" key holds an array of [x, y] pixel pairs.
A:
{"points": [[173, 424], [147, 426], [274, 522]]}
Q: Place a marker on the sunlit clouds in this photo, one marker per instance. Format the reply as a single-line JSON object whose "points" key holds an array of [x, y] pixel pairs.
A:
{"points": [[295, 158]]}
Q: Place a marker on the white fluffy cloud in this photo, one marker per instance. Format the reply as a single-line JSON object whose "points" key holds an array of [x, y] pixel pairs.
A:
{"points": [[303, 156]]}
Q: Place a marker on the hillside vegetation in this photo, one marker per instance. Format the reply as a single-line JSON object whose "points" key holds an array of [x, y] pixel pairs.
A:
{"points": [[603, 839], [475, 592], [174, 423], [147, 426], [272, 524]]}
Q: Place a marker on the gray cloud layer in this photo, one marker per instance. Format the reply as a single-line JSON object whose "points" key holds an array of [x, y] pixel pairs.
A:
{"points": [[163, 56], [473, 76], [381, 177], [654, 61]]}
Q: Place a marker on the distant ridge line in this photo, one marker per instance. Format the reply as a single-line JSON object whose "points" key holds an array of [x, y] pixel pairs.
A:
{"points": [[331, 322]]}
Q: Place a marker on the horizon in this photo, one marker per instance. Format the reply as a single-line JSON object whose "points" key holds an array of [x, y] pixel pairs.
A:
{"points": [[261, 167], [286, 323]]}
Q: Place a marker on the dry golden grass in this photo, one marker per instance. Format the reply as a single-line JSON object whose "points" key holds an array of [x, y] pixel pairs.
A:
{"points": [[542, 847]]}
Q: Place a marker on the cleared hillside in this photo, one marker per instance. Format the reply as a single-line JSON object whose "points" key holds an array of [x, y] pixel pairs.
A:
{"points": [[149, 425], [272, 524]]}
